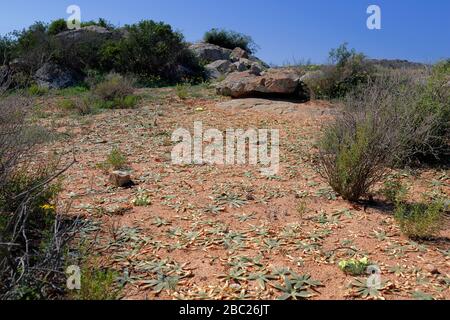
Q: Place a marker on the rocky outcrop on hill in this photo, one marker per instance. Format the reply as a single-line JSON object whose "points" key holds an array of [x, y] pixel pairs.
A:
{"points": [[210, 52], [52, 76], [77, 34], [247, 76], [271, 83], [239, 54], [221, 61], [218, 68]]}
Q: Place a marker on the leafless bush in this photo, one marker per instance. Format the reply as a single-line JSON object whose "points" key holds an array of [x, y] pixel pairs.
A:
{"points": [[5, 79], [400, 97], [114, 87], [355, 150], [33, 234], [382, 124], [12, 142]]}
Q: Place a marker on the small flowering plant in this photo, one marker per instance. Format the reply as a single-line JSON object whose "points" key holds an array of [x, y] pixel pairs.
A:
{"points": [[354, 267], [48, 208]]}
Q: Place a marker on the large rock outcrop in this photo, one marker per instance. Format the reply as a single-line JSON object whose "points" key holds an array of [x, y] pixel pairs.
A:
{"points": [[272, 83], [52, 76], [209, 52], [220, 67], [221, 61], [77, 34], [238, 54]]}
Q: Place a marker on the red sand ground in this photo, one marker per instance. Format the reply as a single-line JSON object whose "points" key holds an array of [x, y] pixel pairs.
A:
{"points": [[204, 246]]}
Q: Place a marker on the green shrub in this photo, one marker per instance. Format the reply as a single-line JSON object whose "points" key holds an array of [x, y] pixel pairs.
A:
{"points": [[35, 90], [418, 113], [348, 69], [116, 160], [435, 104], [30, 47], [230, 40], [383, 125], [83, 53], [115, 92], [128, 102], [354, 267], [114, 87], [72, 91], [100, 23], [93, 78], [393, 190], [21, 181], [420, 220], [151, 50], [81, 105], [97, 285], [57, 26], [66, 104], [142, 199], [353, 153], [182, 91]]}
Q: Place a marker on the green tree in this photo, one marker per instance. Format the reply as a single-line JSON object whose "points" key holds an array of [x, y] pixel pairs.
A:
{"points": [[230, 40], [151, 49], [57, 27]]}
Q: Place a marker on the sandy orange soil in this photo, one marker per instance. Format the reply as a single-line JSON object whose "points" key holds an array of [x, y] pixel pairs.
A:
{"points": [[227, 232]]}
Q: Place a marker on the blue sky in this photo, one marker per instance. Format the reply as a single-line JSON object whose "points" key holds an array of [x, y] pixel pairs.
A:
{"points": [[285, 30]]}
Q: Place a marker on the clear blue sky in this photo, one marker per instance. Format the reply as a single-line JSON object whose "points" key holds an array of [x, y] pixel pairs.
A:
{"points": [[286, 30]]}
